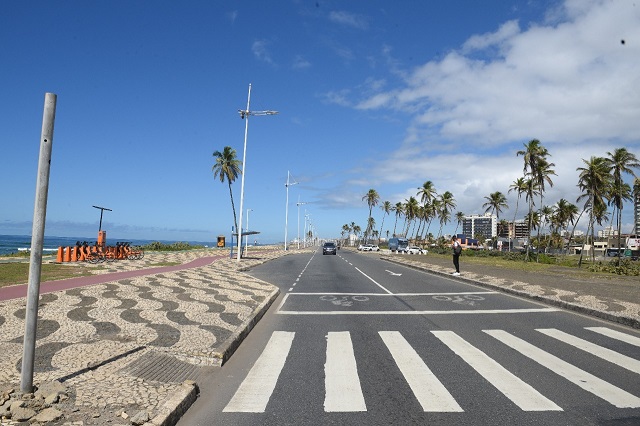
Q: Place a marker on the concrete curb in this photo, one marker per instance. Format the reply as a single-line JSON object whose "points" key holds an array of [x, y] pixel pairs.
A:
{"points": [[174, 407], [233, 342], [609, 316]]}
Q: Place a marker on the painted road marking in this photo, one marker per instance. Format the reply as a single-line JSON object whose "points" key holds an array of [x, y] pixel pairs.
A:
{"points": [[519, 392], [430, 392], [632, 340], [342, 384], [604, 353], [586, 381], [253, 394]]}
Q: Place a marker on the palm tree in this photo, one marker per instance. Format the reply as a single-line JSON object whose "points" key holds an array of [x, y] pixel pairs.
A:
{"points": [[447, 204], [594, 181], [520, 187], [459, 220], [565, 213], [345, 228], [538, 169], [371, 197], [356, 230], [427, 192], [411, 211], [399, 209], [227, 167], [621, 161], [386, 208], [371, 223], [495, 203]]}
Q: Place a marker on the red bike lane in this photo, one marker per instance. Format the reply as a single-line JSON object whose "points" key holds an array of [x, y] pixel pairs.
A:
{"points": [[20, 290]]}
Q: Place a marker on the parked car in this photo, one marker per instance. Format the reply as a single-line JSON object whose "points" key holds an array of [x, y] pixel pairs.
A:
{"points": [[416, 250], [374, 247], [329, 248], [360, 247]]}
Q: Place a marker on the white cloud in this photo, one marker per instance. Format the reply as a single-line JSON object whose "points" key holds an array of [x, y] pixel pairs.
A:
{"points": [[261, 51], [349, 19], [300, 62]]}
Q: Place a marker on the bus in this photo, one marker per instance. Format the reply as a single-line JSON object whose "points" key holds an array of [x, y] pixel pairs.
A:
{"points": [[398, 244]]}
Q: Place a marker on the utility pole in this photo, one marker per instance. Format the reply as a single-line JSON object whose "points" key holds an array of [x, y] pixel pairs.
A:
{"points": [[37, 242], [299, 204], [244, 114], [286, 212]]}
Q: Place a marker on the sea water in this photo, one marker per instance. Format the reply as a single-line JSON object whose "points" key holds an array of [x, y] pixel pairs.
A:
{"points": [[15, 243]]}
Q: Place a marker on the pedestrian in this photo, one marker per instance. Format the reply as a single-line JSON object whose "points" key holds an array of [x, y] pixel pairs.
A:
{"points": [[457, 250]]}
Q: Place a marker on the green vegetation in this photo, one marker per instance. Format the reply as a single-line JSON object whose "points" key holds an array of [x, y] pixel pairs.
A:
{"points": [[18, 272], [177, 246]]}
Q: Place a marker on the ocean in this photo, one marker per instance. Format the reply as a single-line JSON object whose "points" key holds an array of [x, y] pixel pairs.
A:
{"points": [[14, 243]]}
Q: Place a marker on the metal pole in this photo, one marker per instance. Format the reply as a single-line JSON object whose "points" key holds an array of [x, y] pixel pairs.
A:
{"points": [[286, 213], [246, 238], [37, 242], [244, 172]]}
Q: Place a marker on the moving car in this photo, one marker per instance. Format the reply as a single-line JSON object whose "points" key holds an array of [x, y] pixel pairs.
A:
{"points": [[329, 248]]}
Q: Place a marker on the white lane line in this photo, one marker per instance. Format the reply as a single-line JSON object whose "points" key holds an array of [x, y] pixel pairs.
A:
{"points": [[373, 281], [519, 392], [586, 381], [627, 338], [291, 289], [430, 392], [342, 384], [253, 394], [469, 312], [599, 351]]}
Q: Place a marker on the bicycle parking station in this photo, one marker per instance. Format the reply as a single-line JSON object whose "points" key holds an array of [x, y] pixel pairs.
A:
{"points": [[99, 252]]}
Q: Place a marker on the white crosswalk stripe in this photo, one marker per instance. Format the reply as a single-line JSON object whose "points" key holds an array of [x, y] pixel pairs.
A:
{"points": [[522, 394], [604, 353], [429, 391], [586, 381], [632, 340], [255, 391], [343, 391]]}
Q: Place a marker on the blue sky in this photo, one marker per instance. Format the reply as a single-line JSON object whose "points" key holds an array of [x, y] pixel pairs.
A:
{"points": [[370, 94]]}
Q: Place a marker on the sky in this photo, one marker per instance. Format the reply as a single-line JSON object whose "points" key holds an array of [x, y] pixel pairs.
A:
{"points": [[369, 93]]}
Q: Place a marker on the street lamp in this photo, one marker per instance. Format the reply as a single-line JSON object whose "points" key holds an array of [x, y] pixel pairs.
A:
{"points": [[286, 210], [246, 238], [244, 114], [299, 204]]}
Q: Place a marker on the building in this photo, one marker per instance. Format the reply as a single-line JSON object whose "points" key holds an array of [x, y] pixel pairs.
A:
{"points": [[485, 225], [608, 231], [518, 230]]}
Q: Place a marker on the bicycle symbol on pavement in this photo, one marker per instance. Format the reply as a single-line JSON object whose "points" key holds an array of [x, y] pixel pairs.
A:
{"points": [[467, 299], [344, 300]]}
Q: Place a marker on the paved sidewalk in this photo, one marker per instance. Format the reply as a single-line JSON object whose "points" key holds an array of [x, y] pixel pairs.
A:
{"points": [[127, 345]]}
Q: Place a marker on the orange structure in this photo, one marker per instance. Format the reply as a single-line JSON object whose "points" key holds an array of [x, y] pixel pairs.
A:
{"points": [[59, 256]]}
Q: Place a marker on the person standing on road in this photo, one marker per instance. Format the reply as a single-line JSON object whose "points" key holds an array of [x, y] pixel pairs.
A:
{"points": [[457, 250]]}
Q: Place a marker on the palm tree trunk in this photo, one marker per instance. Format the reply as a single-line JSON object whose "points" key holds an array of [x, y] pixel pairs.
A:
{"points": [[233, 207], [526, 256]]}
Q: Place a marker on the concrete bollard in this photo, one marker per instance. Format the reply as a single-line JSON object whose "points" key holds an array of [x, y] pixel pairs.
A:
{"points": [[67, 254], [59, 256]]}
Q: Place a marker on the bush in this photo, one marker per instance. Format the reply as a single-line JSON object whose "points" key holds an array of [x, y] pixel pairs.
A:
{"points": [[627, 267], [177, 246]]}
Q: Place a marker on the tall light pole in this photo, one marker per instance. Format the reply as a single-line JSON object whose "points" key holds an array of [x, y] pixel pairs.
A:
{"points": [[299, 204], [286, 210], [246, 238], [244, 114]]}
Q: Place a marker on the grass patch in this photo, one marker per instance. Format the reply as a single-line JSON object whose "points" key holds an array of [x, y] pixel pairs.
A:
{"points": [[165, 264], [18, 272]]}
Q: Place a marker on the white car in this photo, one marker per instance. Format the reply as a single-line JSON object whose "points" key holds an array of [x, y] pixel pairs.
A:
{"points": [[373, 247], [415, 250]]}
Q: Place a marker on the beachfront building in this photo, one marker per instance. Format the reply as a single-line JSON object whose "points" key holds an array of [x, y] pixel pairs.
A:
{"points": [[485, 225]]}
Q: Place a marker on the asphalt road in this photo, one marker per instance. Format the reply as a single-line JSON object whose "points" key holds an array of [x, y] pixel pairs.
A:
{"points": [[357, 340]]}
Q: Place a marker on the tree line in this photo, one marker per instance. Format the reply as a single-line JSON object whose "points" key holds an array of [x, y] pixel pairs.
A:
{"points": [[600, 181]]}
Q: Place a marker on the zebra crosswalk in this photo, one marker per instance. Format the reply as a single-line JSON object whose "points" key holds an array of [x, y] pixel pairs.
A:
{"points": [[343, 390]]}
